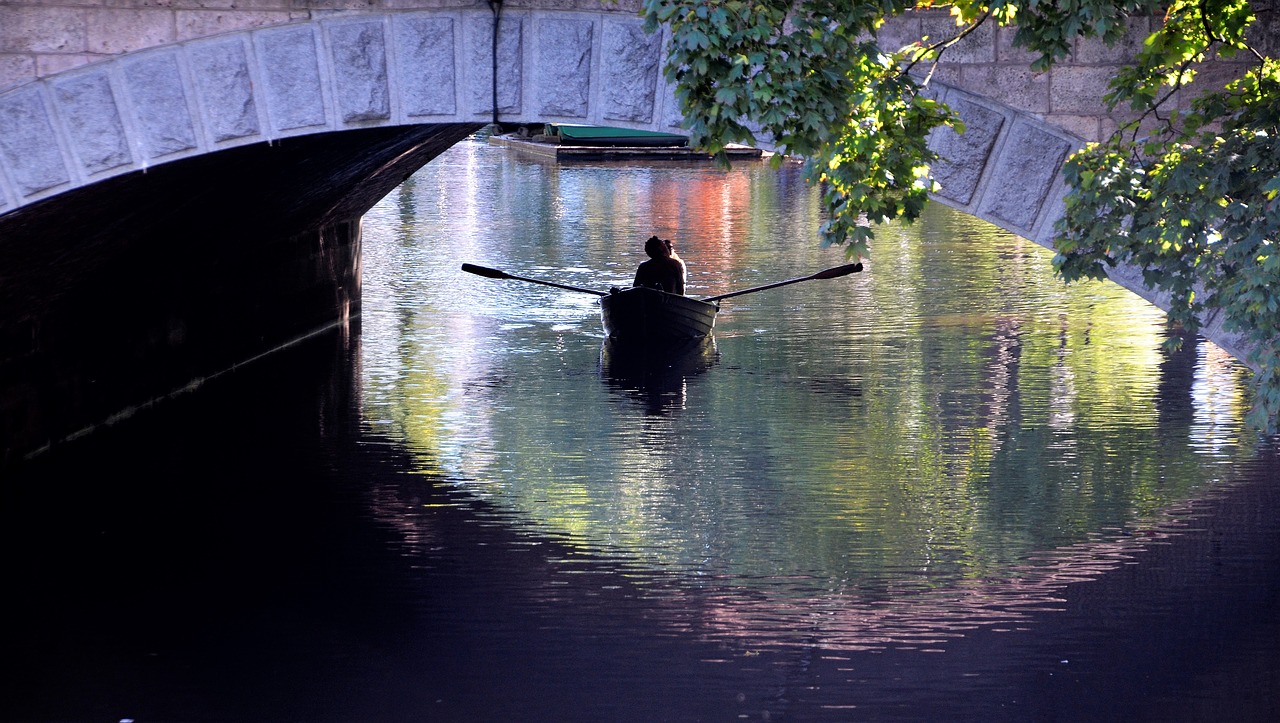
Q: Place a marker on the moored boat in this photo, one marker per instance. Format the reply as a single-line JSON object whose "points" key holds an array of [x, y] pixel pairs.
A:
{"points": [[648, 316]]}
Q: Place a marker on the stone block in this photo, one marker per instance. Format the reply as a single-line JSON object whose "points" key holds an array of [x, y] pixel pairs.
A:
{"points": [[290, 69], [1131, 277], [631, 7], [1147, 123], [92, 117], [359, 53], [1265, 34], [16, 70], [28, 143], [1093, 51], [1008, 53], [632, 63], [1085, 127], [977, 47], [1055, 207], [933, 91], [241, 5], [434, 4], [1210, 78], [948, 75], [47, 65], [1106, 127], [43, 30], [113, 31], [1028, 162], [203, 23], [1013, 85], [563, 67], [672, 118], [158, 98], [331, 5], [898, 32], [480, 63], [424, 49], [963, 156], [1077, 90], [224, 88]]}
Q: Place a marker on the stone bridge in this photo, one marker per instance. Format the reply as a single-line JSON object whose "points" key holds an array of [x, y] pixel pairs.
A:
{"points": [[181, 181]]}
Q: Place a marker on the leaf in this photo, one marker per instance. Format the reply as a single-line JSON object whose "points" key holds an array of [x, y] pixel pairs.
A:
{"points": [[1272, 187]]}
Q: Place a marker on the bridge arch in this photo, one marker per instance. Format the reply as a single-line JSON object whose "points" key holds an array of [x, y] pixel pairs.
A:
{"points": [[303, 127], [169, 103], [444, 68], [434, 67]]}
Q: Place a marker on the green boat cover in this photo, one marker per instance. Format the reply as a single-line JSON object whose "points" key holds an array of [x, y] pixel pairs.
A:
{"points": [[596, 135]]}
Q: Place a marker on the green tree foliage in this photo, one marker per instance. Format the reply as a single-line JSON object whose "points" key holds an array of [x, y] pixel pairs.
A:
{"points": [[1187, 195]]}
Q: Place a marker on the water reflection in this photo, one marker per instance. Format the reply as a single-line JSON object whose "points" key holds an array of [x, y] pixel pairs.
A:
{"points": [[945, 440], [657, 379], [914, 614]]}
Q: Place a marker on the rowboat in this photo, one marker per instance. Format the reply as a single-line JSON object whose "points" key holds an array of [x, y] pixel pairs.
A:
{"points": [[645, 317], [651, 317]]}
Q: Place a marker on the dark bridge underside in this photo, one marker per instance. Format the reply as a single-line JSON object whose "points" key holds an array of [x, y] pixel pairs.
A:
{"points": [[127, 290]]}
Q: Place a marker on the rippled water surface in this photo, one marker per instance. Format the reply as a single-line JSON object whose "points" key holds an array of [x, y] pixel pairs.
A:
{"points": [[948, 416], [948, 487]]}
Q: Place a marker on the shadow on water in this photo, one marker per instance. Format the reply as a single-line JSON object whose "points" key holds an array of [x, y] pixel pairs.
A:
{"points": [[656, 378], [250, 554], [253, 554]]}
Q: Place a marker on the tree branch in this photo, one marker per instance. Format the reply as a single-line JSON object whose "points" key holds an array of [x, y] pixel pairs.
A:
{"points": [[942, 46]]}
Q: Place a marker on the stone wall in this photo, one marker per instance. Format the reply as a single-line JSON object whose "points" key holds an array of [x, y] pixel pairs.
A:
{"points": [[40, 38], [1070, 94]]}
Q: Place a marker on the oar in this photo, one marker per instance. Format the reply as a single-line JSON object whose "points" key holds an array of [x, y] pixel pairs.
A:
{"points": [[489, 273], [832, 273]]}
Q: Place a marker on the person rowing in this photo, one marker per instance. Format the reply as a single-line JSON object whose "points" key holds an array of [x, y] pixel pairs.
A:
{"points": [[664, 270]]}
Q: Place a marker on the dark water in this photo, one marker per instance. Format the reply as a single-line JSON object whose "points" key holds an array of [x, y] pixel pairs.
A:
{"points": [[947, 488]]}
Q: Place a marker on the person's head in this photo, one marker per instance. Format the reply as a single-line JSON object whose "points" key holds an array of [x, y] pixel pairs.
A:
{"points": [[671, 250], [657, 248]]}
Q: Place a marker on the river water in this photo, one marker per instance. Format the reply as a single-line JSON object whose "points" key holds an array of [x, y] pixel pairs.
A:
{"points": [[946, 488]]}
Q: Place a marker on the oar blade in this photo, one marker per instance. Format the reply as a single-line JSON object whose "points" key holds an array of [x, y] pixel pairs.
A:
{"points": [[484, 271], [838, 271]]}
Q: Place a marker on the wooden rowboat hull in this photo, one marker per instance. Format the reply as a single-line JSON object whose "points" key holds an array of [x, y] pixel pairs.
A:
{"points": [[652, 317]]}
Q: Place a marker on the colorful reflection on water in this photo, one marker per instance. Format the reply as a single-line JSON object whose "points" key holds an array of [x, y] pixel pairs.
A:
{"points": [[942, 441]]}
